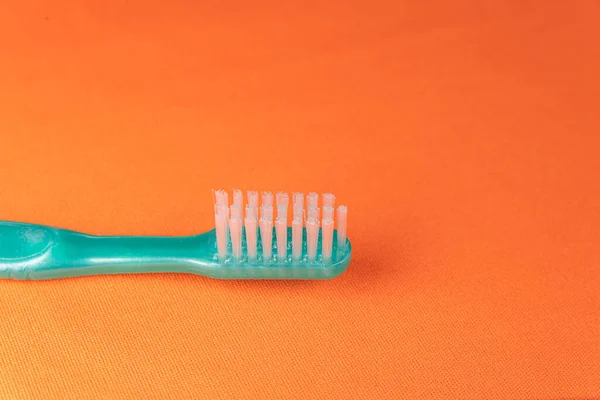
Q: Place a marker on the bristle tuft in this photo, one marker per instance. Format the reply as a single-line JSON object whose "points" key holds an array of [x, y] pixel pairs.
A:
{"points": [[266, 212], [312, 236], [298, 199], [221, 198], [342, 225], [267, 199], [312, 201], [313, 212], [328, 200], [297, 238], [236, 211], [235, 229], [282, 205], [282, 198], [238, 198], [250, 223], [327, 239], [221, 233], [327, 213], [251, 211], [266, 238], [253, 198], [281, 232]]}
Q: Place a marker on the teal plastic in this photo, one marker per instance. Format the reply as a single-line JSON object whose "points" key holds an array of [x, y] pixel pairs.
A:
{"points": [[29, 251]]}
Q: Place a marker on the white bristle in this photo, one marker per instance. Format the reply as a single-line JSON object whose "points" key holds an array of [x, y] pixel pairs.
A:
{"points": [[222, 209], [342, 225], [266, 212], [298, 199], [221, 198], [297, 238], [298, 212], [327, 239], [251, 227], [253, 198], [267, 199], [312, 236], [251, 211], [282, 212], [281, 232], [313, 212], [328, 200], [238, 198], [327, 213], [266, 238], [235, 230], [283, 200], [235, 211], [253, 202], [312, 200], [298, 206], [221, 233]]}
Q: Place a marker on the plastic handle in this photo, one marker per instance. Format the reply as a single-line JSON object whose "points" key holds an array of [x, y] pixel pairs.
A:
{"points": [[39, 252], [133, 254]]}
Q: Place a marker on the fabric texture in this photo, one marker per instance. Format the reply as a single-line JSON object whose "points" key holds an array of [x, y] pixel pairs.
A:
{"points": [[463, 136]]}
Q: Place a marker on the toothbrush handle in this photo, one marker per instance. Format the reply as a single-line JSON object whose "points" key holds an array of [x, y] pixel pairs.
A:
{"points": [[29, 251], [78, 254], [91, 249]]}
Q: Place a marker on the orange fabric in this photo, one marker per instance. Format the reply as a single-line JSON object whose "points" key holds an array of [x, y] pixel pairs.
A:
{"points": [[463, 136]]}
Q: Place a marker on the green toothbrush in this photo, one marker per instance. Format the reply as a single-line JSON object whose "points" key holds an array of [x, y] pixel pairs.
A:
{"points": [[238, 248]]}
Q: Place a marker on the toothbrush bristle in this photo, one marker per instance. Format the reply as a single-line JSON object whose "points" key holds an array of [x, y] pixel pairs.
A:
{"points": [[235, 229], [267, 198], [250, 211], [327, 238], [221, 232], [328, 200], [297, 238], [266, 238], [281, 232], [246, 231], [250, 223], [312, 200], [236, 211], [266, 212], [312, 235], [298, 199], [327, 213], [313, 212], [253, 198], [297, 213], [238, 198], [342, 225], [282, 199], [221, 198]]}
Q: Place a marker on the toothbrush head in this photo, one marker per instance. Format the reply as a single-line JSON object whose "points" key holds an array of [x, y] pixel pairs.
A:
{"points": [[253, 240]]}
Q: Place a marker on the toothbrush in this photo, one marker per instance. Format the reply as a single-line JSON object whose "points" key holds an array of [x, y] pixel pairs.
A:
{"points": [[248, 242]]}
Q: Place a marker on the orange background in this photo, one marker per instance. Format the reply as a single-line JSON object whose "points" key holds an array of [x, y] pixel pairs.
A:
{"points": [[463, 136]]}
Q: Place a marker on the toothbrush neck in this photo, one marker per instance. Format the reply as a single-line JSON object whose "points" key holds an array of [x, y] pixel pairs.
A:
{"points": [[89, 249]]}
